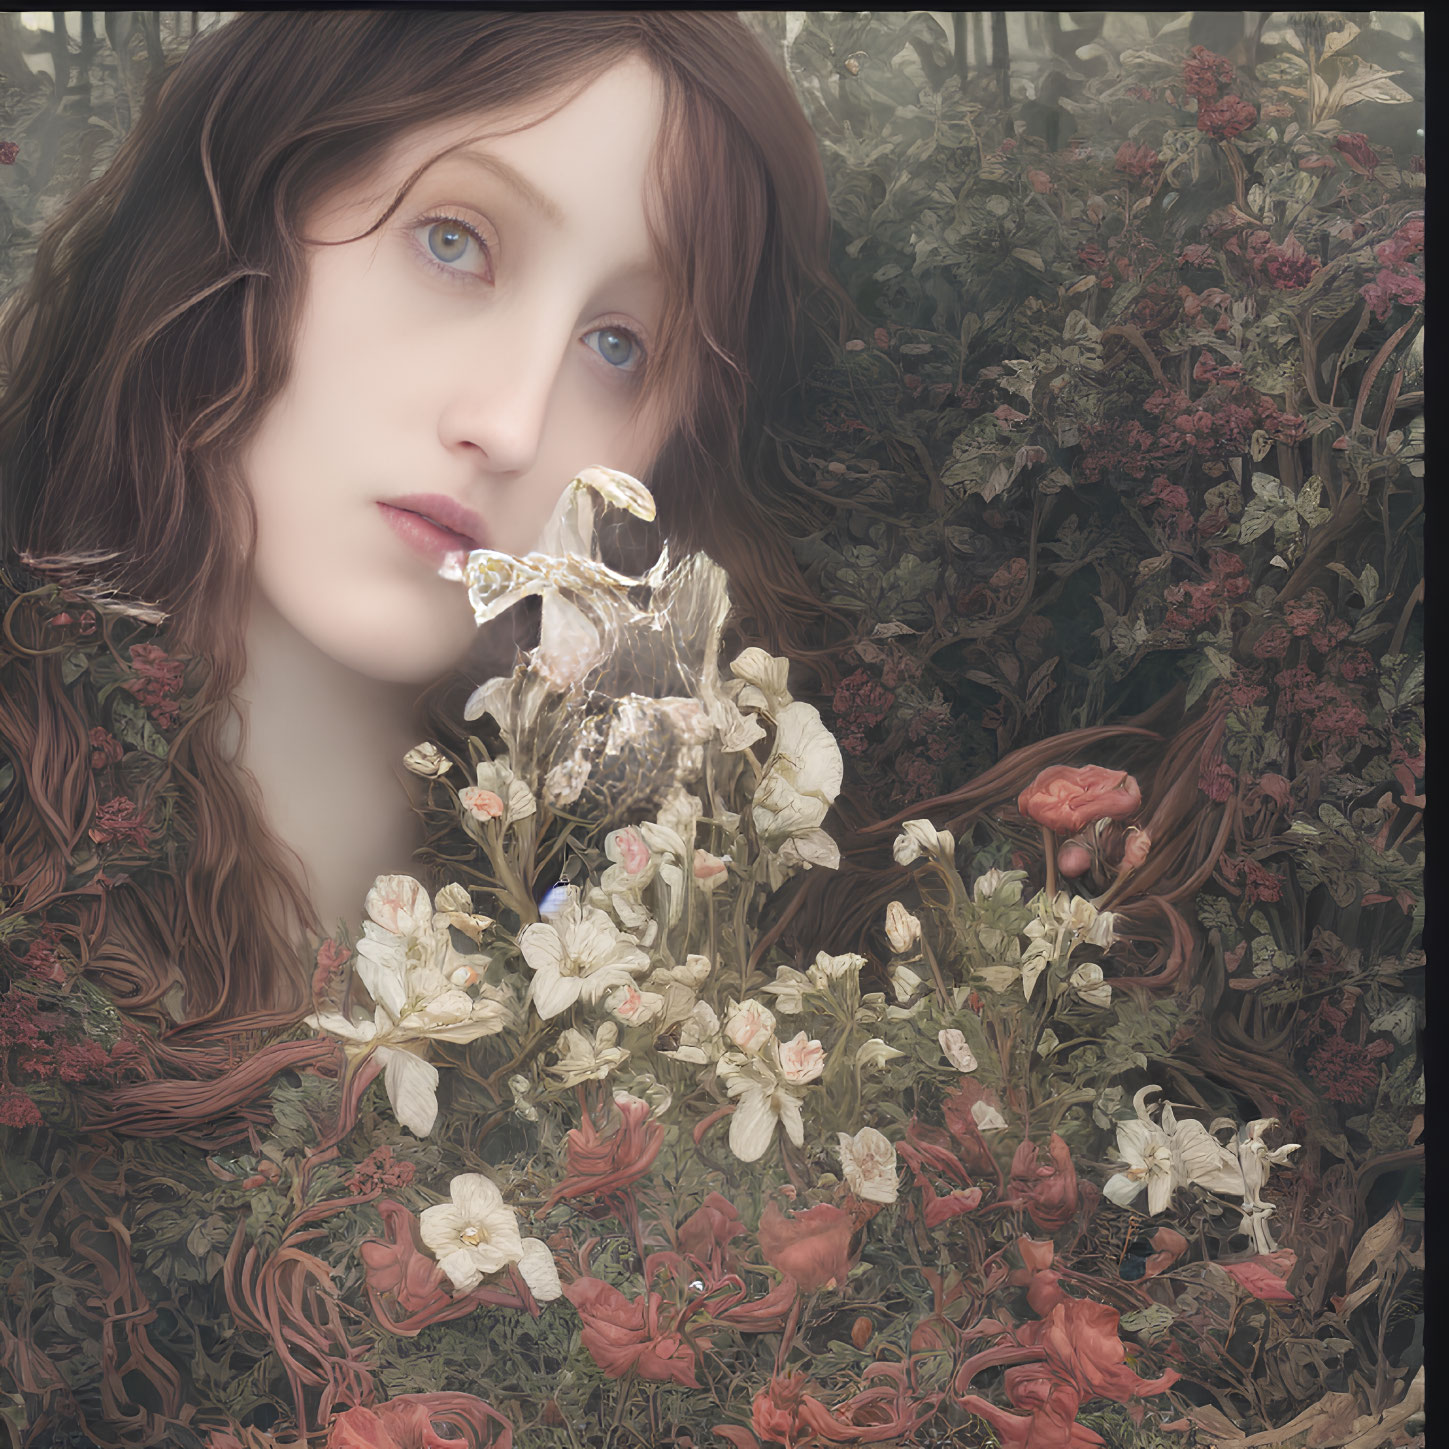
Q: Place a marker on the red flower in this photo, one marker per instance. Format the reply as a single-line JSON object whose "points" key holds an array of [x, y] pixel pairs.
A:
{"points": [[599, 1165], [1224, 119], [1205, 74], [1052, 1424], [119, 821], [785, 1412], [1141, 162], [1049, 1190], [360, 1429], [106, 749], [16, 1109], [812, 1247], [1041, 183], [706, 1234], [1354, 145], [928, 1152], [1068, 798], [399, 1273], [622, 1336], [9, 150], [1083, 1349]]}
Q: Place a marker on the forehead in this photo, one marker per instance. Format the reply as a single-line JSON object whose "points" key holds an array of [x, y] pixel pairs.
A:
{"points": [[580, 162]]}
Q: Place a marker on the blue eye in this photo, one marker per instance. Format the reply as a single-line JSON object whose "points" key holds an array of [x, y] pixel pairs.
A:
{"points": [[445, 244], [618, 347]]}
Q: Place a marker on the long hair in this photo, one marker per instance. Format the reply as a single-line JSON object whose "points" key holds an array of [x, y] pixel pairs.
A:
{"points": [[156, 330]]}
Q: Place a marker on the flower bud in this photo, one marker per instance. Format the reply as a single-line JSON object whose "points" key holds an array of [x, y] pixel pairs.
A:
{"points": [[427, 760], [902, 929]]}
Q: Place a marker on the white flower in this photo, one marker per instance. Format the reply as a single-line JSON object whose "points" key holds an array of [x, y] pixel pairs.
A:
{"points": [[408, 964], [633, 865], [520, 1086], [735, 730], [710, 870], [497, 778], [800, 780], [692, 974], [1168, 1156], [1255, 1158], [539, 1271], [802, 1059], [763, 679], [453, 906], [699, 1037], [1006, 882], [588, 1058], [902, 929], [987, 1117], [920, 835], [630, 1004], [473, 1235], [580, 953], [875, 1053], [427, 760], [958, 1053], [766, 1101], [1143, 1146], [749, 1025], [1088, 983], [904, 982], [825, 969], [869, 1162], [789, 988]]}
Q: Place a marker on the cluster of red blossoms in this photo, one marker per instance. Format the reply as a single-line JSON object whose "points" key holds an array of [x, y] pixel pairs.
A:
{"points": [[1286, 267], [120, 822], [380, 1171], [1194, 604], [1142, 163], [1220, 113], [1397, 280], [158, 681]]}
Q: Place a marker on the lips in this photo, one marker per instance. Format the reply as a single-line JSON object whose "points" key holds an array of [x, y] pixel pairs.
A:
{"points": [[434, 525]]}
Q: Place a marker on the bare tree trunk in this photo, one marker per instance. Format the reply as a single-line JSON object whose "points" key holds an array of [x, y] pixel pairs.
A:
{"points": [[86, 60], [119, 26], [60, 53], [1001, 56], [151, 29], [978, 38], [958, 37]]}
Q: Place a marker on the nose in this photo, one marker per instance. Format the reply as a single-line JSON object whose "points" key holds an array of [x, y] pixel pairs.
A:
{"points": [[497, 402]]}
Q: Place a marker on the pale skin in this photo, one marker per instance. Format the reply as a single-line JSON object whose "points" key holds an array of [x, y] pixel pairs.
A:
{"points": [[483, 345]]}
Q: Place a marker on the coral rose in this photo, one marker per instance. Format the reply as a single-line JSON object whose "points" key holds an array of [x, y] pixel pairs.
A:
{"points": [[706, 1234], [599, 1165], [1068, 798], [1226, 118], [812, 1247], [1082, 1348], [1048, 1190], [622, 1335], [359, 1429]]}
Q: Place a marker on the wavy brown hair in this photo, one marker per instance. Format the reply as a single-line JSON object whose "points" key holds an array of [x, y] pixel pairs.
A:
{"points": [[156, 330]]}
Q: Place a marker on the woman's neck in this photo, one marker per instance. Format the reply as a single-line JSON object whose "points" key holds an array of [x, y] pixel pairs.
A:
{"points": [[325, 744]]}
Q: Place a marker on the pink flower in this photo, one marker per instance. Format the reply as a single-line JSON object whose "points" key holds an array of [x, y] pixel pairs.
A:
{"points": [[802, 1059], [400, 1275], [1224, 119], [1083, 1349], [360, 1428], [709, 868], [119, 821], [1134, 853], [9, 150], [621, 1335], [481, 804], [1048, 1190], [630, 850], [812, 1247], [599, 1165], [1068, 798], [1141, 162], [1073, 859], [1041, 183], [706, 1234]]}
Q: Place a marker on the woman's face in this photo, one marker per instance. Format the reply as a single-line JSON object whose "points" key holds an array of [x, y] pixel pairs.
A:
{"points": [[454, 370]]}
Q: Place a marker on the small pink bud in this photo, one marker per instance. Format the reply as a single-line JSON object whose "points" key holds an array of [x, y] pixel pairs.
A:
{"points": [[1073, 859]]}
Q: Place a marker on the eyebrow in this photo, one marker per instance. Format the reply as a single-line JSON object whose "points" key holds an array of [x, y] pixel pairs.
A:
{"points": [[514, 180]]}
